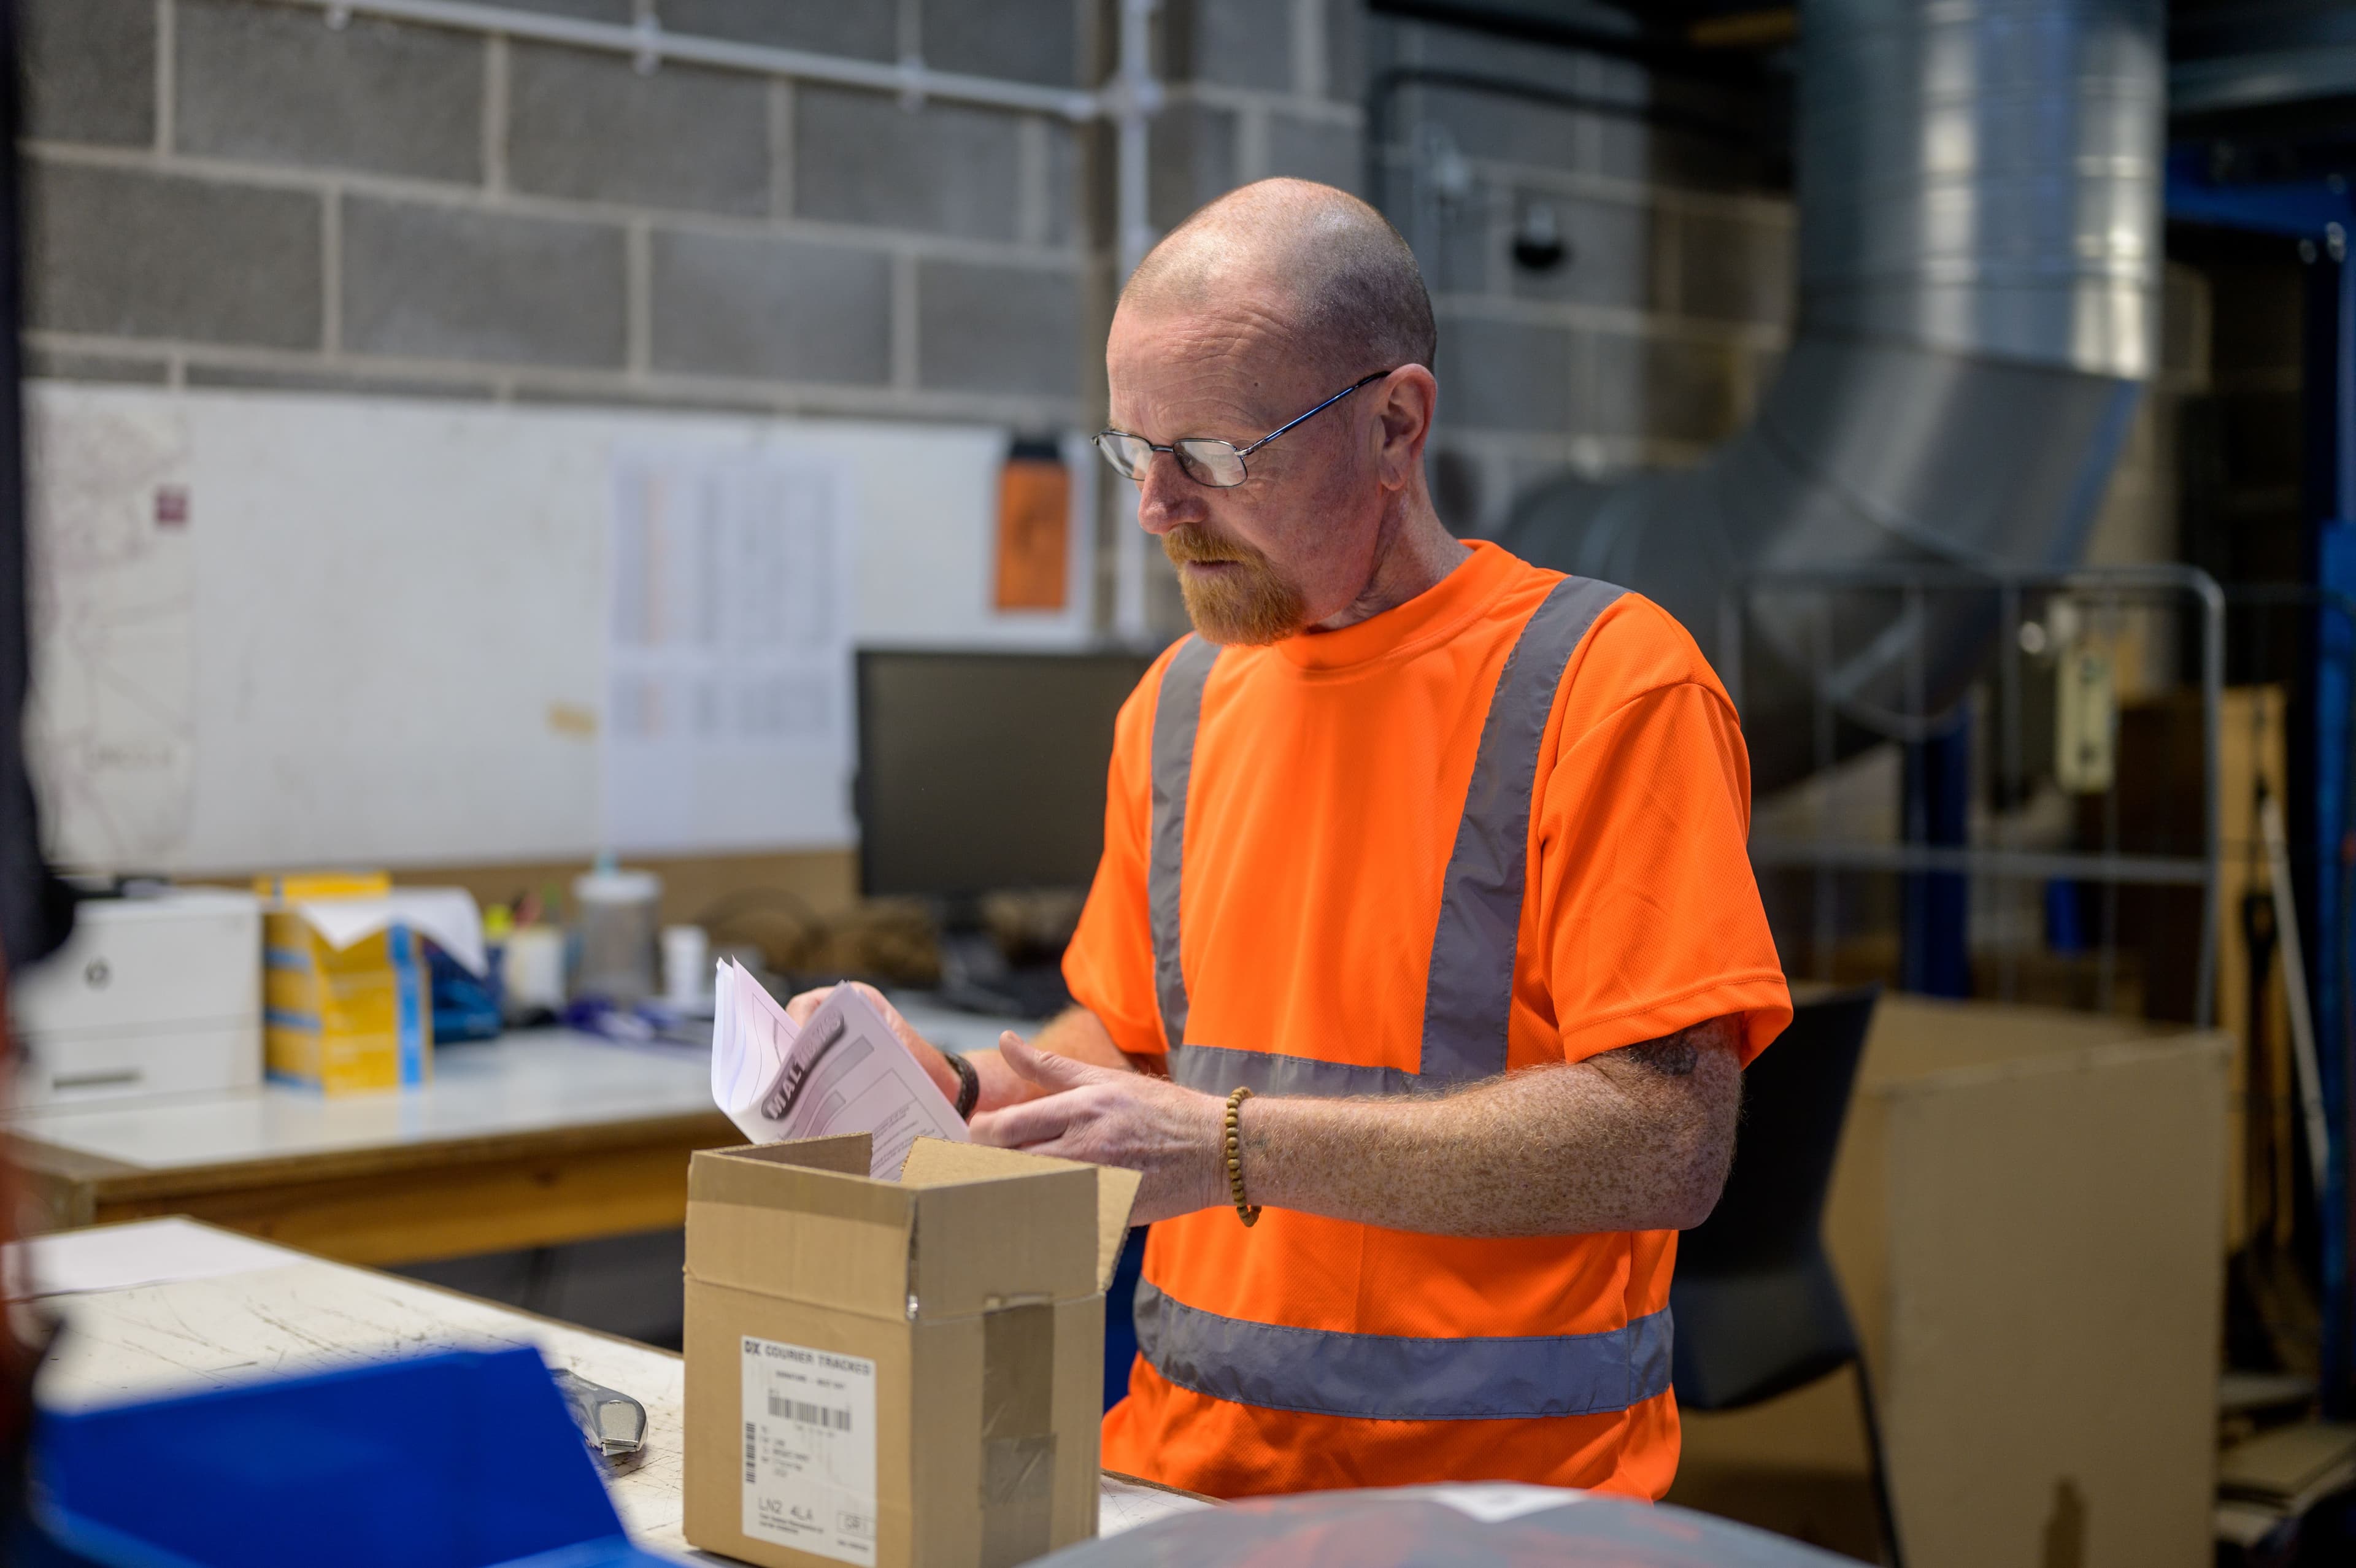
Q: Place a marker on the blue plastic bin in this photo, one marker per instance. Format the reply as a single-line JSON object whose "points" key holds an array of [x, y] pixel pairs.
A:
{"points": [[460, 1459]]}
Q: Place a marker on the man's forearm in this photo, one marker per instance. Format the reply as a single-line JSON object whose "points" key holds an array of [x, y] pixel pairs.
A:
{"points": [[1634, 1140]]}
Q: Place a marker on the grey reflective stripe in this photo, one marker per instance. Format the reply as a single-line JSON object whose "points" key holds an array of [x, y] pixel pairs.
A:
{"points": [[1469, 991], [1216, 1070], [1469, 994], [1177, 713], [1390, 1377]]}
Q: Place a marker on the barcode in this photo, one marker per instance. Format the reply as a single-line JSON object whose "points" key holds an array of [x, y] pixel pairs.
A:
{"points": [[833, 1418]]}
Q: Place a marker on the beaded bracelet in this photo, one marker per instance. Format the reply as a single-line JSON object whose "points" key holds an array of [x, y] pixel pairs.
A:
{"points": [[1247, 1213]]}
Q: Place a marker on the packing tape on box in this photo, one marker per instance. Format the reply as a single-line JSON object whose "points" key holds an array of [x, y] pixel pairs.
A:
{"points": [[1018, 1436]]}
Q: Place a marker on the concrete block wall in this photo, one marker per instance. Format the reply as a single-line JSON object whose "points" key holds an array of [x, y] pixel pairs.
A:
{"points": [[1651, 341], [234, 193], [1647, 347], [1257, 88], [1254, 88]]}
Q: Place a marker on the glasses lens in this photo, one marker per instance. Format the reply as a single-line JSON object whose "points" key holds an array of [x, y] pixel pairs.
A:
{"points": [[1128, 455], [1212, 463]]}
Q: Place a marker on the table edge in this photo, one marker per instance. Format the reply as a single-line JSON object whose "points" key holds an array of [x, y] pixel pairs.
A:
{"points": [[110, 1179]]}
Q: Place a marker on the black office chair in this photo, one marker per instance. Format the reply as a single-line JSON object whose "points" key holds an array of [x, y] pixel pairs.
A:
{"points": [[1758, 1311]]}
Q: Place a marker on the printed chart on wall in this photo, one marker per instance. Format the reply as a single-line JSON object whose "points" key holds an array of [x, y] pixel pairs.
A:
{"points": [[728, 658], [277, 629], [112, 592]]}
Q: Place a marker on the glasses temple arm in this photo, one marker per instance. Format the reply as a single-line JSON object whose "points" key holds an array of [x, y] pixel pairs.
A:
{"points": [[1263, 440]]}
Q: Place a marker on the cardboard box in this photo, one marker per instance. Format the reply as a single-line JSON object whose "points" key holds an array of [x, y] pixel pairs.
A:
{"points": [[2024, 1216], [897, 1375], [345, 1020], [348, 986]]}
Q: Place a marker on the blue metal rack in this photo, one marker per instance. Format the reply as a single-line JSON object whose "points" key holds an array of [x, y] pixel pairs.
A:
{"points": [[2319, 213]]}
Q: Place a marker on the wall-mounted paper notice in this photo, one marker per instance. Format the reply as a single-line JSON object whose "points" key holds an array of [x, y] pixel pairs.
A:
{"points": [[843, 1071], [728, 720]]}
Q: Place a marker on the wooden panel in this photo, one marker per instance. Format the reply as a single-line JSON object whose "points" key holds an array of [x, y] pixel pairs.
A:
{"points": [[62, 1183], [449, 1211], [773, 900], [2161, 759], [404, 1203], [822, 882]]}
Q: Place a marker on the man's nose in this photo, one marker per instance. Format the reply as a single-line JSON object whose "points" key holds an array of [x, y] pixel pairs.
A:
{"points": [[1166, 498]]}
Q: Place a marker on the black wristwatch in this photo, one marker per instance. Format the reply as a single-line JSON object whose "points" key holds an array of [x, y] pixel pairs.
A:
{"points": [[968, 1085]]}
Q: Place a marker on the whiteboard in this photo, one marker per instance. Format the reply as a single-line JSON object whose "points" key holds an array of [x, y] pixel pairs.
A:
{"points": [[277, 630]]}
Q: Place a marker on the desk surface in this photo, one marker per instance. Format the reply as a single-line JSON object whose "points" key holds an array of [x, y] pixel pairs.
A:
{"points": [[531, 1082], [167, 1306], [539, 1139]]}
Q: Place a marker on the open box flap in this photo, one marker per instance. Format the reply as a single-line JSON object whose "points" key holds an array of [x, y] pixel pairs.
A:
{"points": [[936, 1162], [1116, 1196], [801, 1220]]}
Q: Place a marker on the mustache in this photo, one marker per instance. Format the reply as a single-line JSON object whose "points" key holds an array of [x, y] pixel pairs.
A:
{"points": [[1189, 543]]}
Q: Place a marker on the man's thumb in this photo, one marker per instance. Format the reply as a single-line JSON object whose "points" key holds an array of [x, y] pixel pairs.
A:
{"points": [[1044, 1068]]}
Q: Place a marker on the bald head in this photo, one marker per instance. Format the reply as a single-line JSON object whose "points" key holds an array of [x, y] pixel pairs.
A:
{"points": [[1339, 276]]}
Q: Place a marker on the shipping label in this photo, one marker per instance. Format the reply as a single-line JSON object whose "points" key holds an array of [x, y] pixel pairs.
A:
{"points": [[809, 1450]]}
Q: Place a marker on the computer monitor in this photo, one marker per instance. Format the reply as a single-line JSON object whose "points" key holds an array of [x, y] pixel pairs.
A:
{"points": [[984, 771]]}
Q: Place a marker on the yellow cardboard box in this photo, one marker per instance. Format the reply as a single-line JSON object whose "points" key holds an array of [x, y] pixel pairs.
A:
{"points": [[346, 1021]]}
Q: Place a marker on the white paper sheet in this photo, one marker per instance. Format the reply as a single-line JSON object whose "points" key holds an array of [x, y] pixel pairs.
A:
{"points": [[845, 1072], [727, 720], [449, 915], [123, 1257]]}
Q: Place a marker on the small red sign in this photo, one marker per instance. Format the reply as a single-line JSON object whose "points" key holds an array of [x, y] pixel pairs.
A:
{"points": [[171, 507]]}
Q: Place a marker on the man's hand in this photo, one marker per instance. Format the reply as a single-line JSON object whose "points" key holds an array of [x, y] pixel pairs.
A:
{"points": [[1077, 1034], [1633, 1139], [929, 1055], [1107, 1115]]}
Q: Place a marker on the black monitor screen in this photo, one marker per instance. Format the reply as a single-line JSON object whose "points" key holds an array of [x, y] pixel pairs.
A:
{"points": [[979, 772]]}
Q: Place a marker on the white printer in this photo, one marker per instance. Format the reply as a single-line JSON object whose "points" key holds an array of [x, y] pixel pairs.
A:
{"points": [[158, 992]]}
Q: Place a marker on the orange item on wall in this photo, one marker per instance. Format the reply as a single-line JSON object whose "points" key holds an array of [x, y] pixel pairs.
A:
{"points": [[1034, 511]]}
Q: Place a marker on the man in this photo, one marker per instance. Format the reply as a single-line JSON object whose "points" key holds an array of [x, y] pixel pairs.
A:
{"points": [[1440, 856]]}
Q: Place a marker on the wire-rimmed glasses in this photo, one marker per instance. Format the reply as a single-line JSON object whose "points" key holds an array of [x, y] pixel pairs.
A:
{"points": [[1206, 460]]}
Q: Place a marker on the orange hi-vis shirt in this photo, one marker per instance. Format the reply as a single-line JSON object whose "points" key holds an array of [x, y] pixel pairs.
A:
{"points": [[1500, 826]]}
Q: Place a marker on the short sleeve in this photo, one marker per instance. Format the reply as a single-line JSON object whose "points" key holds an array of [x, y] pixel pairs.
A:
{"points": [[1109, 966], [1647, 908]]}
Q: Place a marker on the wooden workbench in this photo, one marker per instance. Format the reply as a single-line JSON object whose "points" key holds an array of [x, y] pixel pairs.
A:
{"points": [[541, 1137], [167, 1306]]}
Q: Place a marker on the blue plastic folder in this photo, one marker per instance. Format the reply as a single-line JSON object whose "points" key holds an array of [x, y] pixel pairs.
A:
{"points": [[459, 1459]]}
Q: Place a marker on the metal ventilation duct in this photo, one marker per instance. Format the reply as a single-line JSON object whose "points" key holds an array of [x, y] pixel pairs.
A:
{"points": [[1979, 197]]}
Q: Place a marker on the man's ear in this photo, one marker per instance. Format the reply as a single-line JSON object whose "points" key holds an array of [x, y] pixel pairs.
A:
{"points": [[1409, 398]]}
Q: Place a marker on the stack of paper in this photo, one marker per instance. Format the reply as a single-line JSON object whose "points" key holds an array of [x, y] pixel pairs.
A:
{"points": [[449, 915], [843, 1071]]}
